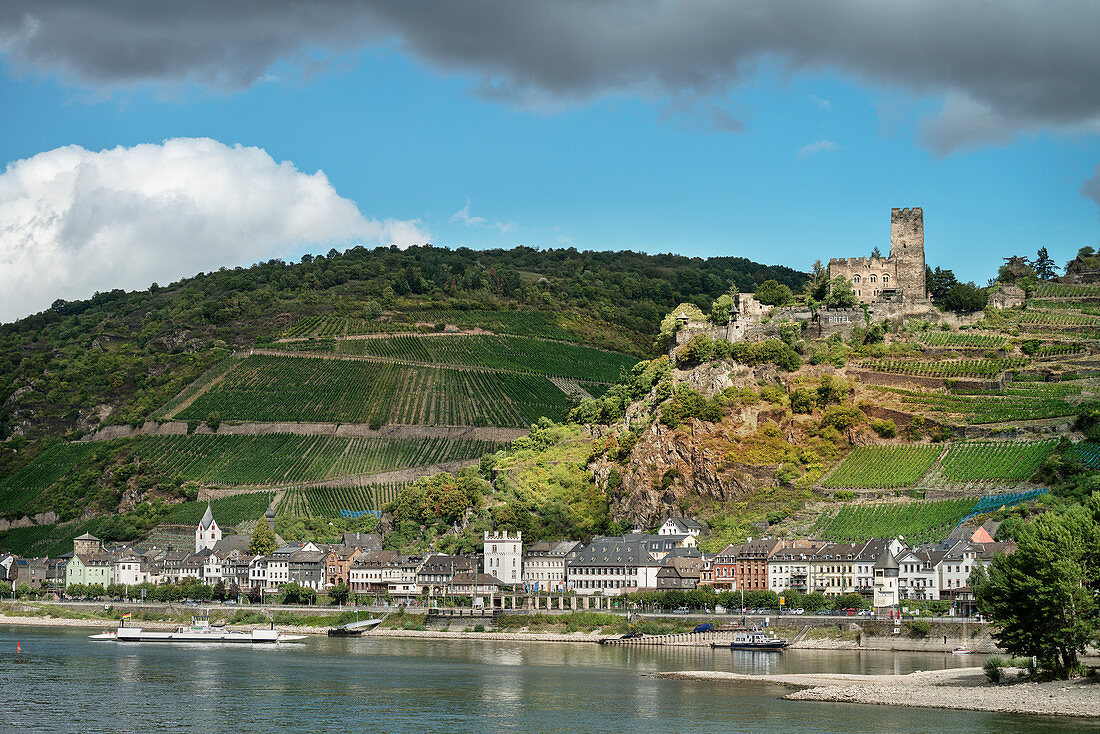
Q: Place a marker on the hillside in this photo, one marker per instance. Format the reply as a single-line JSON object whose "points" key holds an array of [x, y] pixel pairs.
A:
{"points": [[361, 370]]}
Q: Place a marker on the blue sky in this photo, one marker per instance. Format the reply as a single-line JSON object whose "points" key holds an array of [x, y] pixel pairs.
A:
{"points": [[818, 156]]}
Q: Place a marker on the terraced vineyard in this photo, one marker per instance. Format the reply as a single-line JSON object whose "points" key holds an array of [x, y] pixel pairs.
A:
{"points": [[228, 511], [1058, 350], [313, 389], [965, 340], [493, 352], [1047, 318], [882, 467], [520, 323], [51, 465], [284, 458], [336, 501], [916, 522], [945, 368], [1014, 405], [1063, 290], [994, 462]]}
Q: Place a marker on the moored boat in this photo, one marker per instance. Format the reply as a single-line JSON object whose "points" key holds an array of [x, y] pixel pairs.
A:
{"points": [[353, 629], [200, 630], [754, 640]]}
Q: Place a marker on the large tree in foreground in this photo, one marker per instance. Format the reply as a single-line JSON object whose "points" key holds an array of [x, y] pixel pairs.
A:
{"points": [[1043, 598], [263, 539]]}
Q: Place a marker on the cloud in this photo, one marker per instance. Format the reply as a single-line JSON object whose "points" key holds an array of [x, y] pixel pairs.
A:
{"points": [[1026, 64], [1090, 187], [819, 146], [463, 217], [74, 221]]}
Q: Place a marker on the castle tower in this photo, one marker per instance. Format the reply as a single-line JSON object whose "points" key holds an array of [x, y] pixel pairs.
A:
{"points": [[907, 251], [207, 534], [503, 556]]}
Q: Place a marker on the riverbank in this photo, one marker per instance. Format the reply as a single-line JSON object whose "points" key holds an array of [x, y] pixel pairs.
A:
{"points": [[957, 688]]}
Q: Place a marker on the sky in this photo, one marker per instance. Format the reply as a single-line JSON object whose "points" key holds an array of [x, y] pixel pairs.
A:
{"points": [[144, 142]]}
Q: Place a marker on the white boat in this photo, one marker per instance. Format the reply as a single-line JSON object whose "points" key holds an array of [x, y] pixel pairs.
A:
{"points": [[961, 651], [754, 640], [199, 630]]}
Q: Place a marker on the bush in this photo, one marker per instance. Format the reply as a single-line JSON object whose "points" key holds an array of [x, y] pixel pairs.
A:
{"points": [[885, 429], [920, 627], [994, 668]]}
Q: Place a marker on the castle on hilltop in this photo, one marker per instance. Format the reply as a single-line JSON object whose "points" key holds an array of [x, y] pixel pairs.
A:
{"points": [[899, 277]]}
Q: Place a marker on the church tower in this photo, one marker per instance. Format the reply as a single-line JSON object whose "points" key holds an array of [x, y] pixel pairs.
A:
{"points": [[208, 533]]}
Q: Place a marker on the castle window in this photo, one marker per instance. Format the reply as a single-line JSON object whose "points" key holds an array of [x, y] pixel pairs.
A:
{"points": [[855, 279], [885, 279], [873, 279]]}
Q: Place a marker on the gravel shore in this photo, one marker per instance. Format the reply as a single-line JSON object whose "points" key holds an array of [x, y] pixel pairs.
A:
{"points": [[956, 688]]}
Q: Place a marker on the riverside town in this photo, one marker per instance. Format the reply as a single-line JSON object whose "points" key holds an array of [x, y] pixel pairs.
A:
{"points": [[550, 367]]}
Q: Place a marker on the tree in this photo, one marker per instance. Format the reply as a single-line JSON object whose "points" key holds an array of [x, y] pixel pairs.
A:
{"points": [[817, 287], [875, 252], [1043, 265], [841, 294], [965, 298], [1043, 597], [720, 310], [773, 293], [1014, 270], [339, 594], [263, 539], [939, 282]]}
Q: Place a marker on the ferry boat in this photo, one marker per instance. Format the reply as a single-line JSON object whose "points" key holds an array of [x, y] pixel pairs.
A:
{"points": [[200, 630], [753, 640]]}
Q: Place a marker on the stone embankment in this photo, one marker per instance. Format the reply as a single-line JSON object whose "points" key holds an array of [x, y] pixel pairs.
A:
{"points": [[347, 430], [957, 688]]}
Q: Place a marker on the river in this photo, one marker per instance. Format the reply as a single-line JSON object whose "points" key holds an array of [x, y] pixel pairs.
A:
{"points": [[63, 682]]}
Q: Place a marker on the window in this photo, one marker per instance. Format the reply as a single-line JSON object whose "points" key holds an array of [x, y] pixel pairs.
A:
{"points": [[855, 279], [885, 279], [873, 279]]}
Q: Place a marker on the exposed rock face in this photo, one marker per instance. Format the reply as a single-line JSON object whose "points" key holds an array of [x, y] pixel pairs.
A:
{"points": [[698, 454]]}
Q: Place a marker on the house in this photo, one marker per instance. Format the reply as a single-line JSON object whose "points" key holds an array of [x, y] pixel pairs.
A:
{"points": [[90, 568], [681, 572], [482, 588], [399, 575], [611, 566], [544, 565], [30, 571], [130, 569], [437, 571], [302, 563], [917, 574], [680, 526], [338, 559], [208, 533], [365, 573], [789, 566], [503, 556], [745, 567]]}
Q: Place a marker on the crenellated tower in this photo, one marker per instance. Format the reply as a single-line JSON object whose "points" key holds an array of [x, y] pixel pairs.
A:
{"points": [[907, 251]]}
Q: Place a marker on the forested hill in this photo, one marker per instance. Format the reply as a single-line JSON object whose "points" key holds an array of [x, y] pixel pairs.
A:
{"points": [[117, 357]]}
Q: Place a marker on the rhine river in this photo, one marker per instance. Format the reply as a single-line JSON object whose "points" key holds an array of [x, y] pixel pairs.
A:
{"points": [[64, 682]]}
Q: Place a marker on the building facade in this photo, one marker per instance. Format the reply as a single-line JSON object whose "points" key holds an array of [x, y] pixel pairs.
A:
{"points": [[901, 274]]}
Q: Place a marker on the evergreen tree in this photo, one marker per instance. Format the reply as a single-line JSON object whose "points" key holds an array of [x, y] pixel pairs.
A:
{"points": [[1043, 265], [939, 282], [263, 539], [876, 252]]}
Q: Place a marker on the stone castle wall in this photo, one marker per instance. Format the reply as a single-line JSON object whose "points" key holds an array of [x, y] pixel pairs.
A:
{"points": [[902, 271]]}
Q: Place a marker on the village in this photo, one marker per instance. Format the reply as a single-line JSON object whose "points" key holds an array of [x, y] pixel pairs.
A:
{"points": [[877, 576]]}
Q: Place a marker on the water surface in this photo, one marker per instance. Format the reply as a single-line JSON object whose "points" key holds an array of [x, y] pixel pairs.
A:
{"points": [[64, 682]]}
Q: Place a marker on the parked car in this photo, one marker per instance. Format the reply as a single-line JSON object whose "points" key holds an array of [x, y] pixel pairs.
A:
{"points": [[864, 613], [704, 627], [824, 611], [681, 610], [798, 610], [632, 636]]}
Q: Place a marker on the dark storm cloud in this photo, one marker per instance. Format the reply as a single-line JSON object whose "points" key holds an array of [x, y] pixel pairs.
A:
{"points": [[1001, 67]]}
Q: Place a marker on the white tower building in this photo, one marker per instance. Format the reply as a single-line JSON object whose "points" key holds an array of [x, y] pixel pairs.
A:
{"points": [[504, 556]]}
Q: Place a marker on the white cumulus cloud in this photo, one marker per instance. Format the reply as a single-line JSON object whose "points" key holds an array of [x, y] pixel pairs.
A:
{"points": [[818, 146], [74, 221]]}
